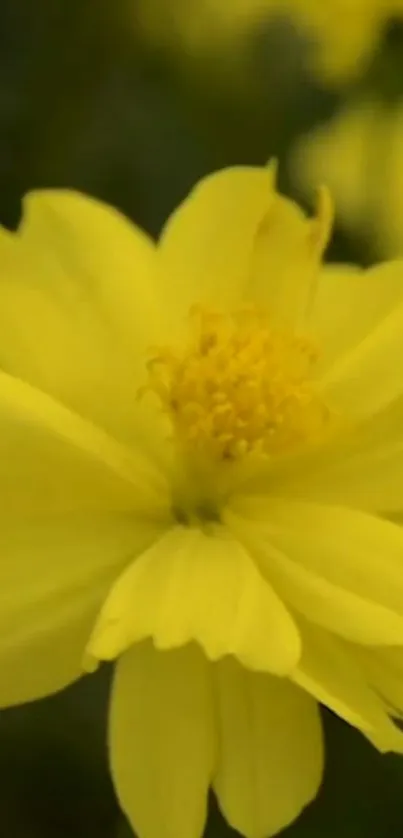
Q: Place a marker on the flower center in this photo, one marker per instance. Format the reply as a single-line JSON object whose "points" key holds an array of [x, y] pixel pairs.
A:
{"points": [[238, 386]]}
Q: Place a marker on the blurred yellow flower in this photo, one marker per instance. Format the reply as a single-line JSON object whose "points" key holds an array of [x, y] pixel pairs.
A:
{"points": [[345, 33], [197, 25], [360, 155], [201, 452], [342, 35]]}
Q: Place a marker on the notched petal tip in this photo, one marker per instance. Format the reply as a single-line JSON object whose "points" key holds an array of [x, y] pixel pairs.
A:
{"points": [[89, 663], [387, 741], [107, 642], [194, 588]]}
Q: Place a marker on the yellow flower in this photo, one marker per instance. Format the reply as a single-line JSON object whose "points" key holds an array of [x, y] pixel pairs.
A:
{"points": [[201, 460], [359, 153], [202, 29], [196, 24], [344, 34], [341, 35]]}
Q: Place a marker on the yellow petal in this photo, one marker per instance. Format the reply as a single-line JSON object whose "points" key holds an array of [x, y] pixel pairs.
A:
{"points": [[349, 304], [236, 238], [329, 670], [286, 258], [204, 587], [341, 568], [271, 752], [363, 467], [206, 245], [53, 460], [384, 671], [55, 573], [162, 740], [78, 306], [364, 379]]}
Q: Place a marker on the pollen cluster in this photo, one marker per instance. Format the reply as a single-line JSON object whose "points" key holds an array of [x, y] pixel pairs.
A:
{"points": [[238, 386]]}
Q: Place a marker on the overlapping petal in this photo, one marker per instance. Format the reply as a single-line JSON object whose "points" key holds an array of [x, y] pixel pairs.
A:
{"points": [[235, 239], [204, 587], [207, 243], [331, 672], [75, 506], [55, 572], [340, 568], [270, 759], [162, 740], [366, 379], [51, 459], [349, 304], [79, 307], [357, 371], [359, 465]]}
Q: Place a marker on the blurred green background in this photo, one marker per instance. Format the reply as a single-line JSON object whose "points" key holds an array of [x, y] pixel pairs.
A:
{"points": [[86, 103]]}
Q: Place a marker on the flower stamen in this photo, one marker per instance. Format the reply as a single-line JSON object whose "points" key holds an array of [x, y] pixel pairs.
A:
{"points": [[238, 386]]}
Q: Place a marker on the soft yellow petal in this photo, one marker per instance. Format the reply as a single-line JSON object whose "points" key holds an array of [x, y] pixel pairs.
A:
{"points": [[52, 460], [101, 258], [286, 259], [162, 740], [349, 304], [384, 671], [361, 467], [207, 244], [198, 586], [75, 506], [366, 379], [329, 670], [271, 752], [341, 568], [55, 573], [235, 238], [79, 307]]}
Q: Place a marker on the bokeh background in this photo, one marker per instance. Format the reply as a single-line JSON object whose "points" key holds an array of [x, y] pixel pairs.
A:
{"points": [[132, 101]]}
